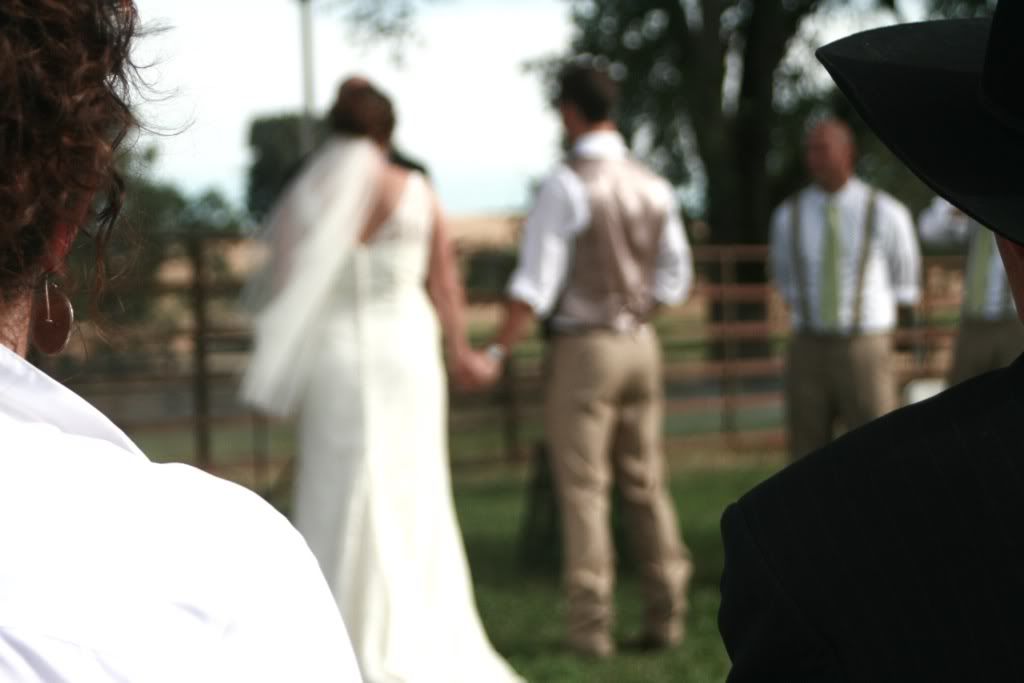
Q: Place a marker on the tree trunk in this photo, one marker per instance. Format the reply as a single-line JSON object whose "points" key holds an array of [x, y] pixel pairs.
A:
{"points": [[740, 193]]}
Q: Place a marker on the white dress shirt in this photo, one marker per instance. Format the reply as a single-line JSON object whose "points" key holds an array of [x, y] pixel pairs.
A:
{"points": [[943, 225], [561, 212], [117, 569], [892, 274]]}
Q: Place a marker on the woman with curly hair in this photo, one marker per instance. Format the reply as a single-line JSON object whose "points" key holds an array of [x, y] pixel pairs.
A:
{"points": [[114, 568]]}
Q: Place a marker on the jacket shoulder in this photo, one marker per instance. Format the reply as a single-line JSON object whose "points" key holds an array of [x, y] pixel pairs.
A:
{"points": [[885, 520]]}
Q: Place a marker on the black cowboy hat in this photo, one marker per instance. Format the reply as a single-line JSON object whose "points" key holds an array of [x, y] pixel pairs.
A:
{"points": [[947, 97]]}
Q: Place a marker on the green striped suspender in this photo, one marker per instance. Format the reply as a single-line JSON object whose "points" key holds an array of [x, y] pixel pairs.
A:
{"points": [[799, 267]]}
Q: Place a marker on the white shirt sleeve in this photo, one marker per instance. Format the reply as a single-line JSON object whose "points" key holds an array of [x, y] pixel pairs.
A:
{"points": [[673, 274], [901, 249], [780, 256], [942, 224], [558, 214]]}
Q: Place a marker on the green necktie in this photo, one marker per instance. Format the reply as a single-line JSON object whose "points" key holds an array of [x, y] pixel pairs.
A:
{"points": [[828, 304], [978, 265]]}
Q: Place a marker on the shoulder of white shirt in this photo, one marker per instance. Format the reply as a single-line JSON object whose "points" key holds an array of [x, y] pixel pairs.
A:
{"points": [[601, 144], [50, 430], [157, 492], [855, 186], [893, 206]]}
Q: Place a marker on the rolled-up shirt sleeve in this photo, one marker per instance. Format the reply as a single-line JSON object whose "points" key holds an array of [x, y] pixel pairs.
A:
{"points": [[545, 248], [781, 270], [904, 254], [673, 274], [942, 224]]}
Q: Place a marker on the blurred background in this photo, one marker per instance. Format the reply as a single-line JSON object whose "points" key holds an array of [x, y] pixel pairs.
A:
{"points": [[717, 95]]}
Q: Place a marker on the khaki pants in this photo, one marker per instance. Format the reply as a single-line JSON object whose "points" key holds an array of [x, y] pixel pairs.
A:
{"points": [[603, 417], [830, 378], [984, 345]]}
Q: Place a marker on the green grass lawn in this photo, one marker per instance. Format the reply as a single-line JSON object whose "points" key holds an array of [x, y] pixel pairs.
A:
{"points": [[523, 609], [522, 606]]}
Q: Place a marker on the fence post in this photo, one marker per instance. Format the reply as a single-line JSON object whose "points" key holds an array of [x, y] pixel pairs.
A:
{"points": [[727, 267], [260, 438], [922, 341], [200, 384], [510, 396]]}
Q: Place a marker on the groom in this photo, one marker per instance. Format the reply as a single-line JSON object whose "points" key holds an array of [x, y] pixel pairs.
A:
{"points": [[897, 552], [602, 248]]}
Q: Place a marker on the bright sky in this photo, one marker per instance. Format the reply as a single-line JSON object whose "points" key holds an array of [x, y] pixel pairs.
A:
{"points": [[465, 106]]}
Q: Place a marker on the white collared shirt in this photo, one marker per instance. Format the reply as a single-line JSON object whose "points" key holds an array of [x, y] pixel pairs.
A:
{"points": [[561, 212], [113, 568], [893, 271], [942, 225]]}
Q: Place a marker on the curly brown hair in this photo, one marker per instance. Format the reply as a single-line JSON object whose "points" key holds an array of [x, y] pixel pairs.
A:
{"points": [[66, 81]]}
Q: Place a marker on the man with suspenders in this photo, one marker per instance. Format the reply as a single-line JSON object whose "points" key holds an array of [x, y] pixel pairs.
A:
{"points": [[991, 335], [844, 257]]}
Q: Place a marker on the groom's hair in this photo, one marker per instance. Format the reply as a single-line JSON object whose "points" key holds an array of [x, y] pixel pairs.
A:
{"points": [[590, 89]]}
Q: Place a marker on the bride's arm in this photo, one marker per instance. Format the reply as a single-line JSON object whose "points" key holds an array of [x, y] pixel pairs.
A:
{"points": [[444, 285]]}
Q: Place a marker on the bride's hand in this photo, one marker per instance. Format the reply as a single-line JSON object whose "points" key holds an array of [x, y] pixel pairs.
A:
{"points": [[476, 370]]}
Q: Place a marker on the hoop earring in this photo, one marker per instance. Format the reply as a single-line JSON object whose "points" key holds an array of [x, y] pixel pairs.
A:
{"points": [[52, 317]]}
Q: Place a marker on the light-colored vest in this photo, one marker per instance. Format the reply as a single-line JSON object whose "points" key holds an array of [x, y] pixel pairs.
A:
{"points": [[611, 281]]}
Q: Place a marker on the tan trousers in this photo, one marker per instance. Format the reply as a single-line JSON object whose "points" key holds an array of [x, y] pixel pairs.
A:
{"points": [[830, 378], [984, 345], [603, 417]]}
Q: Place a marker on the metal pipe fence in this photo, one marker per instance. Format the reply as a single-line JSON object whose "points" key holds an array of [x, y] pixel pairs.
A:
{"points": [[723, 372]]}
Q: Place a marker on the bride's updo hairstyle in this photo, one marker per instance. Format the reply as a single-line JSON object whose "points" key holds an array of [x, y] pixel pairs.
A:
{"points": [[362, 110], [65, 80]]}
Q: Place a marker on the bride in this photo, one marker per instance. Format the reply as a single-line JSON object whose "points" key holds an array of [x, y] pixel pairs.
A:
{"points": [[360, 286]]}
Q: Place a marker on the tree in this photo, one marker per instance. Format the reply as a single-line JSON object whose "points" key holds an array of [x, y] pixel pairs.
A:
{"points": [[276, 157], [376, 19], [719, 90], [156, 217], [716, 95]]}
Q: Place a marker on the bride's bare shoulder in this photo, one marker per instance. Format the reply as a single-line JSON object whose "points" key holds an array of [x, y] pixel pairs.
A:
{"points": [[392, 179]]}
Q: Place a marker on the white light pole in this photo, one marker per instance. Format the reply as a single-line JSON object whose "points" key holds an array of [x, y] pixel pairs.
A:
{"points": [[306, 133]]}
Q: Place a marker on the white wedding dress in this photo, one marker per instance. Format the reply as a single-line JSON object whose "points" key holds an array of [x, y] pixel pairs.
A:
{"points": [[373, 492]]}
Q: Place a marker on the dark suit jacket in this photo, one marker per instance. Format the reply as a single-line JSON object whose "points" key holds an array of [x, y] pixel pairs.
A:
{"points": [[894, 554]]}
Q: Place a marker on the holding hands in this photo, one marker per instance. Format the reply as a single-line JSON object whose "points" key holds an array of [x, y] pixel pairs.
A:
{"points": [[476, 369]]}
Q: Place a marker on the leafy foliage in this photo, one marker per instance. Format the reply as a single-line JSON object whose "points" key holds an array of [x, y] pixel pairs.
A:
{"points": [[387, 19], [390, 21], [717, 94], [157, 218]]}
